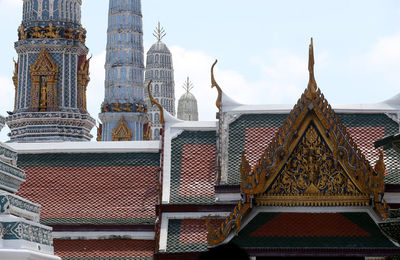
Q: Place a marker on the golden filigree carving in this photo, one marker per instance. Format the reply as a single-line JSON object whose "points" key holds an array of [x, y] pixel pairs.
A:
{"points": [[214, 84], [154, 102], [83, 81], [122, 132], [15, 81], [311, 169], [44, 74], [52, 32]]}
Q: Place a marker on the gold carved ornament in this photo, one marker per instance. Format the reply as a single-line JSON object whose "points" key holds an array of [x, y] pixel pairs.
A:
{"points": [[52, 32], [147, 131], [311, 161], [218, 103], [15, 81], [44, 74], [232, 222], [214, 84], [122, 131], [154, 102], [83, 81]]}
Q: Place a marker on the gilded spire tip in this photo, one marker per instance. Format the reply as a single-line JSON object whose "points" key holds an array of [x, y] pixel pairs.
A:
{"points": [[312, 84]]}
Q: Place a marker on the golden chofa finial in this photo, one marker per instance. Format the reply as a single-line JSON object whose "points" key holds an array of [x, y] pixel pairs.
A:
{"points": [[215, 84], [154, 102], [159, 32], [312, 84], [188, 86]]}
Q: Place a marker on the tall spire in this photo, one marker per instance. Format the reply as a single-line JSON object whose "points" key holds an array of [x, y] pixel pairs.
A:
{"points": [[160, 72], [124, 84], [159, 32]]}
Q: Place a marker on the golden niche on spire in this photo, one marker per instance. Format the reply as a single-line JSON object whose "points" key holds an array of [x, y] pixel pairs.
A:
{"points": [[159, 32], [44, 74], [122, 132]]}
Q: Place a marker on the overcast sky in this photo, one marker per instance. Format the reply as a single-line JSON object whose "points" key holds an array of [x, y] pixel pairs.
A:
{"points": [[261, 45]]}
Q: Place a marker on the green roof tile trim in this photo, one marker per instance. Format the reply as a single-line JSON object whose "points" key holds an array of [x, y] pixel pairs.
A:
{"points": [[392, 229], [185, 138], [95, 221], [362, 220], [237, 138], [88, 159], [173, 243]]}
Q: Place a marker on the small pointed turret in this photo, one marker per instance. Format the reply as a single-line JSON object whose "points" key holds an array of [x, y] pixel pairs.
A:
{"points": [[187, 104]]}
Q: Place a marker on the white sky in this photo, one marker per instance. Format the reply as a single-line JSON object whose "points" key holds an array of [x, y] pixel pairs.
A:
{"points": [[261, 45]]}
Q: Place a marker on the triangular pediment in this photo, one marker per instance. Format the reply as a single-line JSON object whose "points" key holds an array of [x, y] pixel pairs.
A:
{"points": [[44, 64], [122, 131], [312, 175], [311, 161]]}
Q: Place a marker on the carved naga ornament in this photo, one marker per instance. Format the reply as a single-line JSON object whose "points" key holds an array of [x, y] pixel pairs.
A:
{"points": [[311, 161], [154, 102], [214, 84]]}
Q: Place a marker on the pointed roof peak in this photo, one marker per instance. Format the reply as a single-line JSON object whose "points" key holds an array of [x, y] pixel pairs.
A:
{"points": [[312, 84], [159, 32]]}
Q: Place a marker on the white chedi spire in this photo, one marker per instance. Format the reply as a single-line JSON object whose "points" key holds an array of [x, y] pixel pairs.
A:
{"points": [[187, 104], [159, 70]]}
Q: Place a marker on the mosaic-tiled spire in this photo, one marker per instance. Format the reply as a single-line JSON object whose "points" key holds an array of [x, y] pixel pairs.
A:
{"points": [[124, 86], [159, 69], [51, 74]]}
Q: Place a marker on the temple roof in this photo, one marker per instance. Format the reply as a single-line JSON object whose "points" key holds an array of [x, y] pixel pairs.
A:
{"points": [[105, 249], [310, 161], [92, 188]]}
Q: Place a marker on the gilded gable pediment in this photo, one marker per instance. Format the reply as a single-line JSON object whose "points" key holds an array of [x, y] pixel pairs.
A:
{"points": [[122, 131], [311, 161]]}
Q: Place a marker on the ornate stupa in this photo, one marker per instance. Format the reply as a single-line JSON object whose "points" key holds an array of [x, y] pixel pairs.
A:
{"points": [[187, 104], [123, 112], [159, 69], [51, 75]]}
